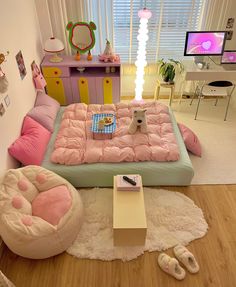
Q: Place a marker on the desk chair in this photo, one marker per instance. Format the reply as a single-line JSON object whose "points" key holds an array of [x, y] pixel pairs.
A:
{"points": [[215, 89]]}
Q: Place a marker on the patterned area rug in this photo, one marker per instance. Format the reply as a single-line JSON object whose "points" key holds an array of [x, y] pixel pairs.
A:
{"points": [[172, 218]]}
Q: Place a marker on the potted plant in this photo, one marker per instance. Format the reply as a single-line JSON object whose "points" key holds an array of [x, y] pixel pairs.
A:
{"points": [[168, 69]]}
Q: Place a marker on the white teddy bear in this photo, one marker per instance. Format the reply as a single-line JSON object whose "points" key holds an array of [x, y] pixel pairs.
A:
{"points": [[138, 120]]}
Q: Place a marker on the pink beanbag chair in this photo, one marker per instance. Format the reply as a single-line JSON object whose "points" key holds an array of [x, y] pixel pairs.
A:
{"points": [[40, 212], [191, 141]]}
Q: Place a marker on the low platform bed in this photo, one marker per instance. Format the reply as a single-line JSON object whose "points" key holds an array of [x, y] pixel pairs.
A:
{"points": [[101, 174]]}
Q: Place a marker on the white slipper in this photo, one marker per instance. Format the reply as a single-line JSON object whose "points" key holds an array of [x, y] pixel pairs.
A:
{"points": [[187, 258], [171, 266]]}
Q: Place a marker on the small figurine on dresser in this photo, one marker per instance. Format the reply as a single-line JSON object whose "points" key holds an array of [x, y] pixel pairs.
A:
{"points": [[108, 54]]}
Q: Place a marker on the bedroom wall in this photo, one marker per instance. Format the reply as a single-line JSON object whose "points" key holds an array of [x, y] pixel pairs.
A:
{"points": [[18, 31], [229, 12]]}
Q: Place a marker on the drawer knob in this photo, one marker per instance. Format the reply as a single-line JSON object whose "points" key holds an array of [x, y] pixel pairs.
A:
{"points": [[57, 82], [55, 72], [82, 82], [107, 81]]}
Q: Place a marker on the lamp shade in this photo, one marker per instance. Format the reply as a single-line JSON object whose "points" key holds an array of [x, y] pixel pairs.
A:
{"points": [[54, 45]]}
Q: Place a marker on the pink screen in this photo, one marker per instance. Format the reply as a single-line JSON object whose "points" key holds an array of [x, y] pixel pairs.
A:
{"points": [[205, 43], [229, 57]]}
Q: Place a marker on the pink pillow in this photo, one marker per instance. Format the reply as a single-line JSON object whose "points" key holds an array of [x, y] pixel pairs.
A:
{"points": [[45, 110], [53, 204], [30, 147], [191, 140]]}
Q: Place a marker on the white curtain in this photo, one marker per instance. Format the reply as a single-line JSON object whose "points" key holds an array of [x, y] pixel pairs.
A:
{"points": [[117, 21], [215, 14], [55, 14]]}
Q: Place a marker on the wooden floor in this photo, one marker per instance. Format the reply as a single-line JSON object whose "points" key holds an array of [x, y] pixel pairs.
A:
{"points": [[216, 254]]}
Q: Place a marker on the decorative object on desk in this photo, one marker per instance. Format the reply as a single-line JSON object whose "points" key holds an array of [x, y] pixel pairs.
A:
{"points": [[141, 62], [200, 60], [108, 54], [138, 120], [113, 69], [168, 69], [122, 184], [200, 66], [54, 45], [38, 78], [89, 57], [21, 65], [81, 36]]}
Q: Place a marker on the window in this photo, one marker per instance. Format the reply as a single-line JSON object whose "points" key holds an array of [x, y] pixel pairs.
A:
{"points": [[167, 27]]}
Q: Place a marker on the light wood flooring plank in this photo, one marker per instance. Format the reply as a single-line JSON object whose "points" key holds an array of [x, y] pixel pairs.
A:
{"points": [[216, 254]]}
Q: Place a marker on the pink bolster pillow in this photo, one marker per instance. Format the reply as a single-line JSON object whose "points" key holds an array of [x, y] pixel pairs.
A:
{"points": [[191, 141]]}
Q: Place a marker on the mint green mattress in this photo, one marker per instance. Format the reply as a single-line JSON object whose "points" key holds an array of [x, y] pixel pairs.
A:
{"points": [[101, 174]]}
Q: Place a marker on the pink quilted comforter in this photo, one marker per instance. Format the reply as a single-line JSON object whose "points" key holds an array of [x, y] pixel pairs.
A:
{"points": [[75, 145]]}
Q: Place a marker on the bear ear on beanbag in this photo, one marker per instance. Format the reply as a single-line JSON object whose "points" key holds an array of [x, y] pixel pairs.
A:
{"points": [[191, 141]]}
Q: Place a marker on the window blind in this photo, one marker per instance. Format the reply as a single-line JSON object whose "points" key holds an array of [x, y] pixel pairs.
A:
{"points": [[167, 27]]}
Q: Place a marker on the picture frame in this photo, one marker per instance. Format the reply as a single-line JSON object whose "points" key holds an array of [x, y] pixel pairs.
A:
{"points": [[2, 109], [7, 101], [21, 65], [230, 23]]}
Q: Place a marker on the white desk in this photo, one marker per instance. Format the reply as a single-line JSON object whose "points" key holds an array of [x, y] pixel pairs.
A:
{"points": [[214, 73]]}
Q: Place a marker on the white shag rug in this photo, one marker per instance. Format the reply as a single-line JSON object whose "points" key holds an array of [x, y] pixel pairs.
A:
{"points": [[172, 218]]}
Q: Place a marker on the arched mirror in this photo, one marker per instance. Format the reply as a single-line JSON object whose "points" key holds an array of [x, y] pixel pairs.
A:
{"points": [[81, 36]]}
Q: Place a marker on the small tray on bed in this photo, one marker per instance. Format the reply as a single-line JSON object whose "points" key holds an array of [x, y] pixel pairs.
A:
{"points": [[109, 126]]}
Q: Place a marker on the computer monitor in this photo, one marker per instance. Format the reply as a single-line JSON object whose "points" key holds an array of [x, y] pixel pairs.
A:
{"points": [[229, 57], [204, 43]]}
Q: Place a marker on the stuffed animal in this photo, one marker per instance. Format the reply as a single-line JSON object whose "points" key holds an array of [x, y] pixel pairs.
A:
{"points": [[138, 120]]}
